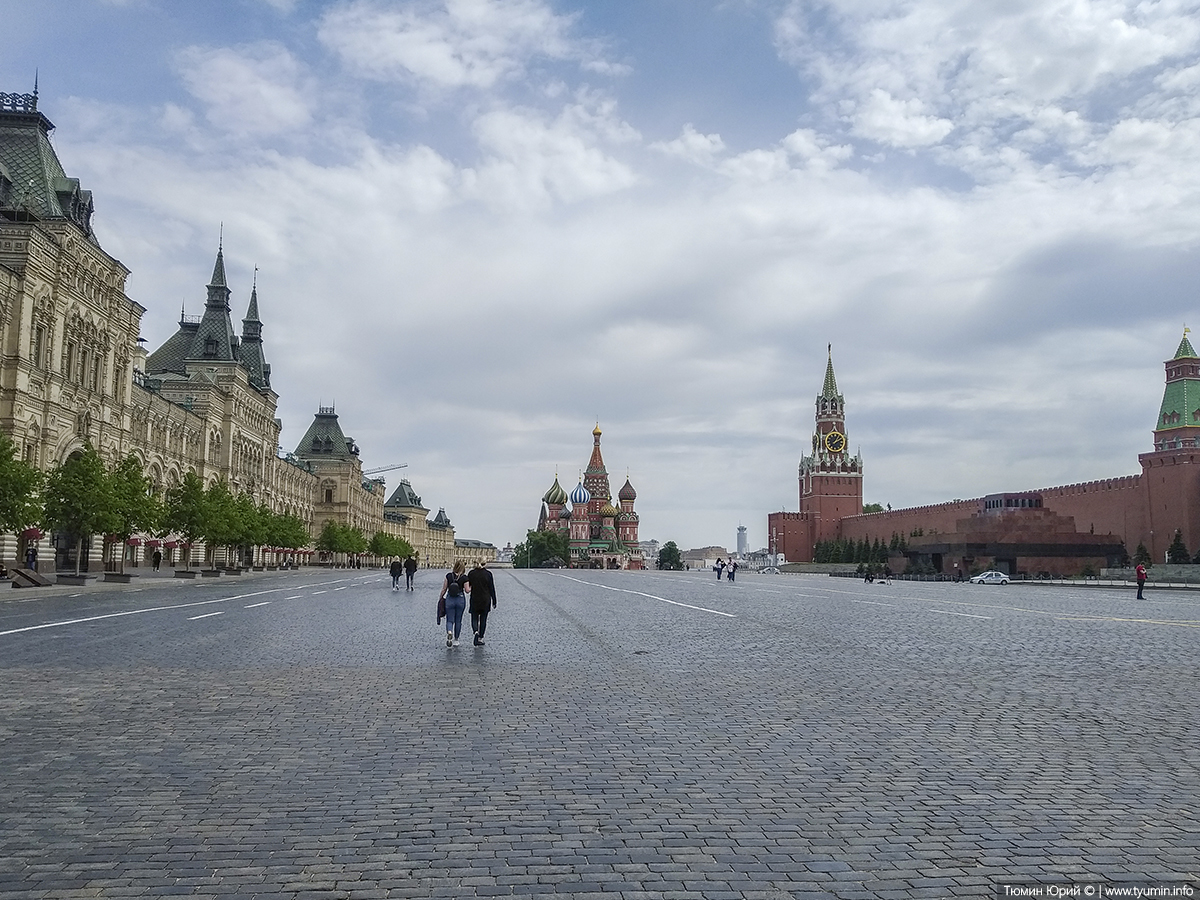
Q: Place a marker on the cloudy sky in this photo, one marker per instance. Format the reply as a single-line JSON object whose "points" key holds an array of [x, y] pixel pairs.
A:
{"points": [[482, 226]]}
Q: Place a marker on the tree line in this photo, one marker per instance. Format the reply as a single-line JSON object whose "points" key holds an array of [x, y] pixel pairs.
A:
{"points": [[81, 496]]}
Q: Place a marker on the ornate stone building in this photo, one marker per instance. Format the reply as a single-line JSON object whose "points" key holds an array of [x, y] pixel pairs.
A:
{"points": [[432, 539], [343, 493], [68, 332], [600, 535], [72, 368]]}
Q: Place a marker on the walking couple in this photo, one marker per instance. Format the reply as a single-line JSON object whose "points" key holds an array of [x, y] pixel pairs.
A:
{"points": [[479, 585]]}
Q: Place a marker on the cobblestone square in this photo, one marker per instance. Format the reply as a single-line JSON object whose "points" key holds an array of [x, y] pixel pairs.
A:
{"points": [[621, 735]]}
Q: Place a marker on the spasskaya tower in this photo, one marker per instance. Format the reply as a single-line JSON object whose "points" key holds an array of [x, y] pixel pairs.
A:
{"points": [[830, 479]]}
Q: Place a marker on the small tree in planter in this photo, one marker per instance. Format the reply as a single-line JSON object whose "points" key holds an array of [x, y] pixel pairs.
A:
{"points": [[187, 513], [79, 498], [135, 505]]}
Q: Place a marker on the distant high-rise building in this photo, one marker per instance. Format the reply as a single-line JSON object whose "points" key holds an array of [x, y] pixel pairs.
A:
{"points": [[741, 541]]}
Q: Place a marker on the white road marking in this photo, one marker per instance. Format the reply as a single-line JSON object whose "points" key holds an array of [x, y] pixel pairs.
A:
{"points": [[256, 605], [342, 588], [877, 603], [220, 612], [314, 593], [135, 612], [715, 612], [946, 612], [296, 597]]}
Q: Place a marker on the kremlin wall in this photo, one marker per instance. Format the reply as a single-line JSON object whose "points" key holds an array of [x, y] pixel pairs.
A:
{"points": [[1057, 530]]}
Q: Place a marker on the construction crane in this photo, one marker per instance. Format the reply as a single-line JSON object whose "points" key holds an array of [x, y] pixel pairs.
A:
{"points": [[385, 469]]}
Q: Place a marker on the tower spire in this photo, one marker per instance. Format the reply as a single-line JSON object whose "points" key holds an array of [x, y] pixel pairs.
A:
{"points": [[829, 388]]}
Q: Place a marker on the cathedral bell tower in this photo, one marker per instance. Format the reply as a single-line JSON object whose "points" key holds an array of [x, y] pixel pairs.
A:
{"points": [[830, 479]]}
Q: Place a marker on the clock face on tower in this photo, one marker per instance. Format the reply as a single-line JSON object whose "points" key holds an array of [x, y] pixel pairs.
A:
{"points": [[835, 442]]}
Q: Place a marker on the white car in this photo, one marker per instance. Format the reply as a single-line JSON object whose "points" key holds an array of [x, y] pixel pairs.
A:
{"points": [[990, 577], [769, 570]]}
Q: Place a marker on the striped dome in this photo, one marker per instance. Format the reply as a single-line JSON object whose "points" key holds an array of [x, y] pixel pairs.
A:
{"points": [[609, 511], [580, 496], [556, 496], [627, 492]]}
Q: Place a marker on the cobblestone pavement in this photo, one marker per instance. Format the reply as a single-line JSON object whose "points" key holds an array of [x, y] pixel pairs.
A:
{"points": [[634, 735]]}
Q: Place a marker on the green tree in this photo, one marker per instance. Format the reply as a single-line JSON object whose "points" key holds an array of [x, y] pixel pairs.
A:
{"points": [[223, 526], [19, 486], [78, 498], [1141, 555], [291, 532], [1177, 553], [669, 557], [135, 506], [540, 547], [387, 545], [872, 507], [187, 512], [254, 521]]}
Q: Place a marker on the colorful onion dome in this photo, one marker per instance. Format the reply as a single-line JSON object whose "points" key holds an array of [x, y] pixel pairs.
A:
{"points": [[556, 496], [565, 513], [627, 492], [580, 495], [609, 511]]}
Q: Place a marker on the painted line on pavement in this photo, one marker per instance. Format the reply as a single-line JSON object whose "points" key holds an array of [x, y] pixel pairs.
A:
{"points": [[876, 603], [715, 612], [314, 593], [1126, 619], [946, 612], [296, 597], [135, 612], [220, 612], [256, 605]]}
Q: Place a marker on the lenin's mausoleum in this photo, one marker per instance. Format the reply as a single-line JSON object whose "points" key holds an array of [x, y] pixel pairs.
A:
{"points": [[1057, 530]]}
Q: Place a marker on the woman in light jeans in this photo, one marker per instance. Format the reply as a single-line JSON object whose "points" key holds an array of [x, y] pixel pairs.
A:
{"points": [[456, 603]]}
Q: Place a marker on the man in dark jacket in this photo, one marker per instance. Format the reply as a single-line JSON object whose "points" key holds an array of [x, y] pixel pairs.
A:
{"points": [[482, 588], [396, 570], [410, 569]]}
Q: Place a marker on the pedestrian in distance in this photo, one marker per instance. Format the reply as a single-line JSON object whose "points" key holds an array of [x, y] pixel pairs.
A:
{"points": [[1140, 572], [31, 559], [456, 602], [719, 568], [156, 558], [396, 569], [887, 574], [733, 567], [482, 588], [410, 569]]}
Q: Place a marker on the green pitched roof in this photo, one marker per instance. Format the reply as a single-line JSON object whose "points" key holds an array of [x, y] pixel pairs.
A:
{"points": [[829, 388], [1180, 404], [37, 182], [324, 438], [1185, 350]]}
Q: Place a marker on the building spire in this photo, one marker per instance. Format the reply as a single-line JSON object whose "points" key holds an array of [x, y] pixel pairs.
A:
{"points": [[829, 388], [218, 275]]}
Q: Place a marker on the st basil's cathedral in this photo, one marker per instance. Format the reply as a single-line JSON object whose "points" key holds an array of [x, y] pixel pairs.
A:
{"points": [[600, 535]]}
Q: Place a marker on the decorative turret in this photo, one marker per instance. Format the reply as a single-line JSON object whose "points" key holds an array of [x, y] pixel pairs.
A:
{"points": [[214, 339], [1178, 423], [251, 350]]}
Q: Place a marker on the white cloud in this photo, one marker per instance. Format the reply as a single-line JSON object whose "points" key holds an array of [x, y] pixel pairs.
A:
{"points": [[530, 160], [258, 89], [702, 149], [900, 123], [447, 44]]}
